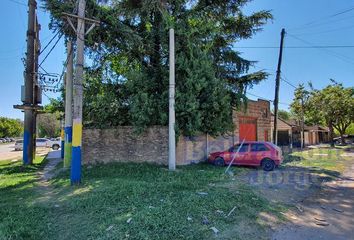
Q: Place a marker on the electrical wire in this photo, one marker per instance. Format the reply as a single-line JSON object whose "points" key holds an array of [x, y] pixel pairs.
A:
{"points": [[309, 24], [284, 79], [18, 2], [51, 40], [55, 44], [254, 95], [299, 47], [335, 54]]}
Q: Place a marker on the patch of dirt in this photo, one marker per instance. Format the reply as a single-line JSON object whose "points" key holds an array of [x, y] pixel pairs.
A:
{"points": [[328, 214]]}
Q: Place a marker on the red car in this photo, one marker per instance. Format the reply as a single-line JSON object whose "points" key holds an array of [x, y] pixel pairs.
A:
{"points": [[264, 154]]}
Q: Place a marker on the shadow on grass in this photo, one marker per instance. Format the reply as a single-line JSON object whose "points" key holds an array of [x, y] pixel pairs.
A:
{"points": [[160, 205]]}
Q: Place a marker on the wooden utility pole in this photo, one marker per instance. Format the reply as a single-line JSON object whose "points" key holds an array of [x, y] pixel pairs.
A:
{"points": [[277, 85], [28, 138], [171, 118], [68, 106], [36, 88], [75, 173], [302, 123]]}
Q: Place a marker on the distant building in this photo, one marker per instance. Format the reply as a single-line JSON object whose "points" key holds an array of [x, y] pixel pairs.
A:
{"points": [[289, 133]]}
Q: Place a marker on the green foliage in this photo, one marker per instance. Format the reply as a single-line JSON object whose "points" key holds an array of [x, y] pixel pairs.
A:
{"points": [[332, 106], [10, 127], [128, 82], [335, 104], [283, 114], [48, 125]]}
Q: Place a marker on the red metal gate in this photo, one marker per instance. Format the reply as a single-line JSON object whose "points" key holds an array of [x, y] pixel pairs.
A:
{"points": [[248, 129]]}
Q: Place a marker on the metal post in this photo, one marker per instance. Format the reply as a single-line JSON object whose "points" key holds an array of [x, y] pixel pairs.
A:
{"points": [[28, 140], [277, 83], [68, 106], [171, 119], [75, 175]]}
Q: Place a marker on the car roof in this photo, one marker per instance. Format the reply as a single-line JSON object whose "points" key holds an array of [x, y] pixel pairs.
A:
{"points": [[254, 142]]}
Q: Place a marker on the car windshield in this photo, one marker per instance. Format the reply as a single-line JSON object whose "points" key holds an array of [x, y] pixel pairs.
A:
{"points": [[19, 141]]}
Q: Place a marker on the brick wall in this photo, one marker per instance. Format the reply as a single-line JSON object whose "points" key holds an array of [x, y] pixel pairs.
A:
{"points": [[122, 145], [259, 110]]}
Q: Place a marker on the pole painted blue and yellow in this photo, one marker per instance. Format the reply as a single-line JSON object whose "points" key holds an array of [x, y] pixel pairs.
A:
{"points": [[25, 145], [62, 137], [75, 175], [68, 146]]}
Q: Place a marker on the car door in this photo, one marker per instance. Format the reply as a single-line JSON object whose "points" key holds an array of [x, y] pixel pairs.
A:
{"points": [[258, 152], [242, 155]]}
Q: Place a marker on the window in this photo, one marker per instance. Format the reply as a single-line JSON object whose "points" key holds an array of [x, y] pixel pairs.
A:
{"points": [[244, 148], [258, 147], [41, 140]]}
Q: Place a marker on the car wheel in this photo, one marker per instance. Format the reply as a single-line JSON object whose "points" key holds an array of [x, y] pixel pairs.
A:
{"points": [[55, 147], [219, 162], [268, 165]]}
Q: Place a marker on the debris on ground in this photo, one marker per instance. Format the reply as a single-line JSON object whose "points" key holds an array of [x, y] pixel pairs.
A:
{"points": [[215, 230], [189, 218], [232, 210], [319, 219], [338, 210], [299, 208], [322, 224], [109, 228], [205, 220], [56, 205], [129, 220], [202, 193], [220, 212]]}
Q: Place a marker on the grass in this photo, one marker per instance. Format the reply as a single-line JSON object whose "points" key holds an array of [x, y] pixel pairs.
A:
{"points": [[326, 159], [129, 201]]}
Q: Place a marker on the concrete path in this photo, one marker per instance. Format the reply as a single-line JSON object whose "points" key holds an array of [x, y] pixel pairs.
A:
{"points": [[53, 159]]}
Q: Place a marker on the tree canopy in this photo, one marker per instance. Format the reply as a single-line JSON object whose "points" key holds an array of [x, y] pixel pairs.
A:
{"points": [[10, 127], [128, 81], [332, 106]]}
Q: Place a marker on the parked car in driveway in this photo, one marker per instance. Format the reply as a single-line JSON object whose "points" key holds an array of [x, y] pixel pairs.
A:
{"points": [[260, 154], [40, 142]]}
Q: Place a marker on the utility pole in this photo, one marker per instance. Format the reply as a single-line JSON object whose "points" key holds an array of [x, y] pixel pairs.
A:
{"points": [[75, 173], [68, 106], [36, 88], [28, 138], [171, 118], [277, 84], [302, 123]]}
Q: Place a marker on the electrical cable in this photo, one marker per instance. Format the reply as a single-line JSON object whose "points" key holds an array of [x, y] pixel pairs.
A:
{"points": [[51, 50], [338, 55], [51, 40]]}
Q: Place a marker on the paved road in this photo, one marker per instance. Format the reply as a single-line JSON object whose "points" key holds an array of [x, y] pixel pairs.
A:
{"points": [[7, 152]]}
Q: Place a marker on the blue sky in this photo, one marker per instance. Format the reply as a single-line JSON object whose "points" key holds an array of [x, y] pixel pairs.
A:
{"points": [[311, 21]]}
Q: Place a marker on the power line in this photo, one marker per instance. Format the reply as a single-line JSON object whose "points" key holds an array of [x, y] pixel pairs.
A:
{"points": [[18, 2], [49, 42], [254, 95], [311, 23], [51, 49], [305, 47], [284, 79], [338, 55]]}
